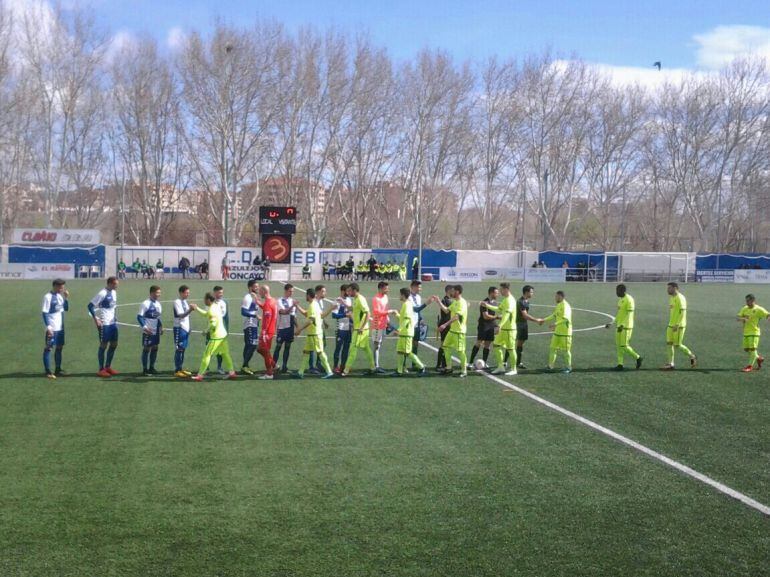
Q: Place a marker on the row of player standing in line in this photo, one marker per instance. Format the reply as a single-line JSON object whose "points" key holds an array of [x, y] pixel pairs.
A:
{"points": [[495, 328]]}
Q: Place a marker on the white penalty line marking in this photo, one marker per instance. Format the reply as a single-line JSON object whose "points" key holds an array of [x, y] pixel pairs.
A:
{"points": [[722, 488]]}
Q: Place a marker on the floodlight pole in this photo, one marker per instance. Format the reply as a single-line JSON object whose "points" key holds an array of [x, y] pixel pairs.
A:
{"points": [[545, 203], [419, 232]]}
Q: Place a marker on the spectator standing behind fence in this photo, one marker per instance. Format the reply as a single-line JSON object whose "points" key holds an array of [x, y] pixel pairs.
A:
{"points": [[225, 268], [184, 266], [266, 267]]}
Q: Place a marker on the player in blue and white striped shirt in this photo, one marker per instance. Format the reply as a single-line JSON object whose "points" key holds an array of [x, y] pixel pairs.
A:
{"points": [[152, 328], [54, 304], [102, 309], [182, 310]]}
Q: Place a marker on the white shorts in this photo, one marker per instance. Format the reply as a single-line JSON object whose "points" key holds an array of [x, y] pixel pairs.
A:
{"points": [[378, 335]]}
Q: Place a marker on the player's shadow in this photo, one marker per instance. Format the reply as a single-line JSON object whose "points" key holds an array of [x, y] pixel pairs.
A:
{"points": [[92, 377]]}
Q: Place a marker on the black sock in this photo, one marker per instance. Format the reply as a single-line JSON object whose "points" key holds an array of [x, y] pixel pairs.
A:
{"points": [[485, 354], [474, 352], [519, 353], [440, 359]]}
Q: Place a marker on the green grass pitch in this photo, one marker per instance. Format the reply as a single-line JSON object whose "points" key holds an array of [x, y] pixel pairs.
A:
{"points": [[382, 476]]}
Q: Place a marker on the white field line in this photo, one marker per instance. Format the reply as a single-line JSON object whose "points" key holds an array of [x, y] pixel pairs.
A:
{"points": [[722, 488]]}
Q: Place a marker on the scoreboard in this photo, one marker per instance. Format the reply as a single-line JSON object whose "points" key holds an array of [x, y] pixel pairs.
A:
{"points": [[277, 220]]}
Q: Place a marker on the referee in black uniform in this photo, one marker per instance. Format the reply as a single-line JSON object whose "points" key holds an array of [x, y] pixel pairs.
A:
{"points": [[522, 318]]}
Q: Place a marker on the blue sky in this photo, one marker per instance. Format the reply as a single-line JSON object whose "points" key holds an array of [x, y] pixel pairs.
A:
{"points": [[619, 33]]}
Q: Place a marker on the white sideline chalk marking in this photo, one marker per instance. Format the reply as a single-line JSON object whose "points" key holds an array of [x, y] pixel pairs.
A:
{"points": [[722, 488]]}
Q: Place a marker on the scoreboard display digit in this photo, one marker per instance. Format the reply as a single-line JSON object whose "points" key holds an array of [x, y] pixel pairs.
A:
{"points": [[277, 220]]}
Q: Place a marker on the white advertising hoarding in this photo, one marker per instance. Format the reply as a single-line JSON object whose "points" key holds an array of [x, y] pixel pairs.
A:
{"points": [[752, 276], [19, 271], [55, 236]]}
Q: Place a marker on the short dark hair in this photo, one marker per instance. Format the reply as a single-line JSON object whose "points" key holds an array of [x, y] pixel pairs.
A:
{"points": [[459, 288], [750, 297], [310, 293], [492, 289], [344, 287], [59, 282], [449, 287], [218, 288], [319, 287], [111, 279], [505, 285], [183, 288], [404, 292], [209, 297], [673, 284], [560, 293], [354, 287], [288, 286], [415, 283], [154, 288], [382, 284], [251, 282], [527, 288]]}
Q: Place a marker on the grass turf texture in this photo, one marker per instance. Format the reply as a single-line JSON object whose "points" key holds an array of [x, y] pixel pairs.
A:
{"points": [[382, 476]]}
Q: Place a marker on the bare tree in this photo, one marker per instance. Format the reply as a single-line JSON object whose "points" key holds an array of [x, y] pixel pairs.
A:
{"points": [[436, 100], [557, 122], [231, 95], [61, 54], [613, 161], [150, 150]]}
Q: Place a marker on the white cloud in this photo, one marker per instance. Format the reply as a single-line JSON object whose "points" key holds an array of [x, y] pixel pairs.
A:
{"points": [[649, 77], [121, 40], [723, 44], [175, 38]]}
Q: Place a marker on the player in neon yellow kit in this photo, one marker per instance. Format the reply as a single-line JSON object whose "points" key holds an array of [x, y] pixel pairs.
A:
{"points": [[624, 321], [217, 341], [505, 339], [677, 324], [562, 332], [313, 336], [750, 315], [360, 339], [405, 334], [458, 328]]}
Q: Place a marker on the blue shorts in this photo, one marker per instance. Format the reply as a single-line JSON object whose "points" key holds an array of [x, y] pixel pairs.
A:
{"points": [[55, 340], [343, 337], [181, 338], [108, 334], [150, 340], [286, 335], [251, 336]]}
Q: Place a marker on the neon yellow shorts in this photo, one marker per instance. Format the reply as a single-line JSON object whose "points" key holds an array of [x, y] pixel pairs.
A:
{"points": [[561, 342], [361, 340], [506, 339], [404, 345], [623, 337], [455, 341], [313, 344], [750, 341], [675, 337]]}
